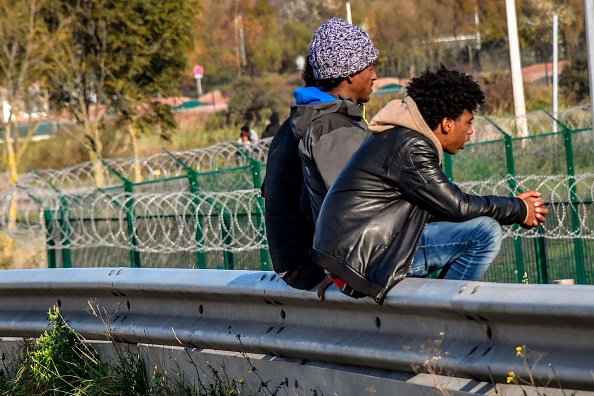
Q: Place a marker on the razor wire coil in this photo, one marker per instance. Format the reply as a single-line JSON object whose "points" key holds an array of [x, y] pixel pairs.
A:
{"points": [[233, 220]]}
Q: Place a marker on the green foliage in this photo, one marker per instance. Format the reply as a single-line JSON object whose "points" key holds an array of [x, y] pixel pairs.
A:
{"points": [[574, 82], [137, 71], [61, 361], [63, 364], [253, 99], [64, 149]]}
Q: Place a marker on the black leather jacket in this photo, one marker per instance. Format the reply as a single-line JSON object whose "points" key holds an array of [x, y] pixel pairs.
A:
{"points": [[373, 216]]}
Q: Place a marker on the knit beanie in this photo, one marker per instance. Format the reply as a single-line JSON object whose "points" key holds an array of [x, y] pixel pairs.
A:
{"points": [[339, 49]]}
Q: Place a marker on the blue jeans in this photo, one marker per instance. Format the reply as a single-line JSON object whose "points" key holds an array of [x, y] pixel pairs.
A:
{"points": [[460, 250]]}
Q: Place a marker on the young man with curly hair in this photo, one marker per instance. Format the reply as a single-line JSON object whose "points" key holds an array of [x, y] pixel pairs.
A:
{"points": [[393, 213]]}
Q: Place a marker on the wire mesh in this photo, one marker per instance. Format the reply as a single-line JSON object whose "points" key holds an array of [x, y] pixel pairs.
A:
{"points": [[480, 161]]}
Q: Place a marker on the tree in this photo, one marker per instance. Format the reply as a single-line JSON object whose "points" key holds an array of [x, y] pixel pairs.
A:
{"points": [[23, 47], [263, 49], [254, 99], [145, 61], [574, 82], [536, 26], [216, 43], [78, 73], [118, 56]]}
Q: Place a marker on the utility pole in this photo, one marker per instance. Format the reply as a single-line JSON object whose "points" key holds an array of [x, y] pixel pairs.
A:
{"points": [[478, 37], [589, 14], [348, 12], [555, 71], [242, 61], [516, 68]]}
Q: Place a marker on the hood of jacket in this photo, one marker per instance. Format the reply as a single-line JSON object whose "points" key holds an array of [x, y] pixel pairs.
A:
{"points": [[403, 113], [312, 103]]}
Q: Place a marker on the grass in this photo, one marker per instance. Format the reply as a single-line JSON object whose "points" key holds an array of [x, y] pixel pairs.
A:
{"points": [[16, 255], [61, 362]]}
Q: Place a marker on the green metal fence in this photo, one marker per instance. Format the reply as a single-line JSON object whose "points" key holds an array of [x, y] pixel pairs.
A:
{"points": [[543, 257], [202, 209], [158, 219]]}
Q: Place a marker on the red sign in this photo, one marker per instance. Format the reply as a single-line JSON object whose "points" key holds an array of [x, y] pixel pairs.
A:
{"points": [[198, 70]]}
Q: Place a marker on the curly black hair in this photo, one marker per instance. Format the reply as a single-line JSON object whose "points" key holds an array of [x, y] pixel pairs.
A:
{"points": [[444, 94]]}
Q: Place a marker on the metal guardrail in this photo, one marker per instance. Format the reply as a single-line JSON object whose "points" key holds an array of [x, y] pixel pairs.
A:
{"points": [[478, 324]]}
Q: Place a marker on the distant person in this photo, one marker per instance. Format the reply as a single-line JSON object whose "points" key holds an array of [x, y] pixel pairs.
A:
{"points": [[393, 213], [311, 147], [272, 127], [245, 137], [245, 143], [254, 136]]}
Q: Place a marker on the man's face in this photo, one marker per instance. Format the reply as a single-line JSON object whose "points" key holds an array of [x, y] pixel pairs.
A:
{"points": [[458, 132], [361, 84]]}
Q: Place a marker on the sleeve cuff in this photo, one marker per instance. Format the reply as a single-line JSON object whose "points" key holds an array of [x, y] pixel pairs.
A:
{"points": [[525, 211]]}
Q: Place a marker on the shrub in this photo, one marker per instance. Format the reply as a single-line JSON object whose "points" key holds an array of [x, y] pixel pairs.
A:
{"points": [[61, 360]]}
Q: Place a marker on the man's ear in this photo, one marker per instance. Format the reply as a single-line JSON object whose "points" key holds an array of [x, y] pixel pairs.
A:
{"points": [[447, 124], [349, 79]]}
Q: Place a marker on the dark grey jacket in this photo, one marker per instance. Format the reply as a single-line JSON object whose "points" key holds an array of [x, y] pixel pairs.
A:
{"points": [[288, 214], [289, 231], [330, 133]]}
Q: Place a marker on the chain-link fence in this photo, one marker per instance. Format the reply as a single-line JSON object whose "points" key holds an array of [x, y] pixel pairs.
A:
{"points": [[203, 209]]}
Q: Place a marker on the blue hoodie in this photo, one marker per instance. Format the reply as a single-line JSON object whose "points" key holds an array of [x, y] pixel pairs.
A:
{"points": [[312, 95]]}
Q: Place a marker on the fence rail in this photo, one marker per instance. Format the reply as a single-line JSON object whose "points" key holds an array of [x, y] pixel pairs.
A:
{"points": [[466, 329]]}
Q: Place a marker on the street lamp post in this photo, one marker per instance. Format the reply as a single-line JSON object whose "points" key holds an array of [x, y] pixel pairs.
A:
{"points": [[516, 69], [198, 74], [348, 12], [589, 15]]}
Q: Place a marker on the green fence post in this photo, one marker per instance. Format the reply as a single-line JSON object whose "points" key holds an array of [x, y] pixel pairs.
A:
{"points": [[257, 177], [201, 261], [448, 166], [578, 247], [66, 231], [49, 227], [227, 240], [541, 257], [513, 185], [49, 235], [130, 216], [65, 226]]}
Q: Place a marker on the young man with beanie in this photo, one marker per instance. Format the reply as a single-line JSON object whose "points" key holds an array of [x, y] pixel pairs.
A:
{"points": [[325, 128], [328, 118], [393, 213]]}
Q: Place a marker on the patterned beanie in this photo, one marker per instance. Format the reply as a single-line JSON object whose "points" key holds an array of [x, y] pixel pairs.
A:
{"points": [[339, 49]]}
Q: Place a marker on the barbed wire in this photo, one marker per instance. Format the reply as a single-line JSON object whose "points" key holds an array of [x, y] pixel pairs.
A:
{"points": [[63, 209], [233, 220], [537, 122], [159, 166], [225, 155], [151, 222]]}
